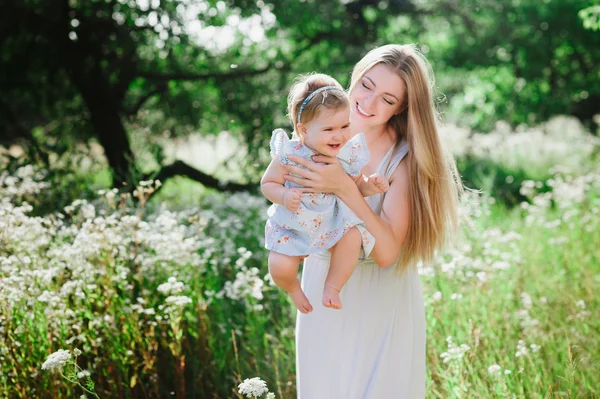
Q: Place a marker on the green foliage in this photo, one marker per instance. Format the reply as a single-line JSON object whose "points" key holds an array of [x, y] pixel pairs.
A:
{"points": [[162, 302], [591, 17], [519, 61], [197, 67]]}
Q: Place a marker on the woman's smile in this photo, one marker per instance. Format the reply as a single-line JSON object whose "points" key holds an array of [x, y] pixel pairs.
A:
{"points": [[362, 112]]}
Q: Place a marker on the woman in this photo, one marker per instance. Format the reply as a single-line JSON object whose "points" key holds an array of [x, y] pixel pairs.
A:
{"points": [[374, 347]]}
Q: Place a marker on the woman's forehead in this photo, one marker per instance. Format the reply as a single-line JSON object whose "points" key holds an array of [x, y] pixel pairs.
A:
{"points": [[385, 78]]}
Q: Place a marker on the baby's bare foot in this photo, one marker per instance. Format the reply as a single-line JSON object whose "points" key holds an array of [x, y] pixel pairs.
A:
{"points": [[301, 301], [331, 297]]}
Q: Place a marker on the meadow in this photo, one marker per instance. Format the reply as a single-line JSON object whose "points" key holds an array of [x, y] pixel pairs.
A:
{"points": [[157, 297]]}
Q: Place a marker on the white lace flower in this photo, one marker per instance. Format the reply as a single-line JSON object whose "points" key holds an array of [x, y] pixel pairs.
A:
{"points": [[253, 387], [494, 369], [57, 360], [83, 374]]}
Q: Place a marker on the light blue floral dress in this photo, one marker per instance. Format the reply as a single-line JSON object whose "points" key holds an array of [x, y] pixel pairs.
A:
{"points": [[322, 218]]}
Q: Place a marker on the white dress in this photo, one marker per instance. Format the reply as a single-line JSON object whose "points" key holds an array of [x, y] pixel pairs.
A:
{"points": [[374, 347]]}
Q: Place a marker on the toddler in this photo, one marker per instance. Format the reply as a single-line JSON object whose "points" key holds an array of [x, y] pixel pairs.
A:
{"points": [[300, 223]]}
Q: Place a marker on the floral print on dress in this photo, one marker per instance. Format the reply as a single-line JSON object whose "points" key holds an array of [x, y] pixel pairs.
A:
{"points": [[322, 218]]}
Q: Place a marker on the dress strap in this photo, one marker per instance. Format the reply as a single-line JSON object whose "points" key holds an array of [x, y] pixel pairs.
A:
{"points": [[392, 163]]}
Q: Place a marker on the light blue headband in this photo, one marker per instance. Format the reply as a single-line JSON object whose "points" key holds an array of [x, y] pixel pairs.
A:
{"points": [[311, 95]]}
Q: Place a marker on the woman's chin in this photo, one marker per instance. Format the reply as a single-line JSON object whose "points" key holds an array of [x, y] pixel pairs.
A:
{"points": [[358, 123]]}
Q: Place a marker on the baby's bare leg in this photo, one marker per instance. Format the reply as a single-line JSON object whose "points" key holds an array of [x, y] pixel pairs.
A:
{"points": [[284, 271], [344, 257]]}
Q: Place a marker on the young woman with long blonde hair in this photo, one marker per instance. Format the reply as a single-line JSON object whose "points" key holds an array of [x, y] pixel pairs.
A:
{"points": [[374, 347]]}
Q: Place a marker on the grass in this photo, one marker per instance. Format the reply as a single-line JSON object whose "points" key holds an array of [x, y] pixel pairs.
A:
{"points": [[178, 303]]}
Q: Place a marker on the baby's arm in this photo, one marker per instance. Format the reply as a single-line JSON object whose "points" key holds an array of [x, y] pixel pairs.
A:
{"points": [[371, 185], [272, 186]]}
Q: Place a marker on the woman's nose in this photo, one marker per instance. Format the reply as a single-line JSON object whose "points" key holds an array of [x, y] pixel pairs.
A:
{"points": [[368, 100]]}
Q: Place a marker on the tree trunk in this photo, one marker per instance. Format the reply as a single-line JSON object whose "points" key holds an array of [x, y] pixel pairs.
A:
{"points": [[113, 137]]}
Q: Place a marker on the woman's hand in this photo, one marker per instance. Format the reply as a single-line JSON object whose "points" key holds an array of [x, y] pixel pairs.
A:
{"points": [[326, 176]]}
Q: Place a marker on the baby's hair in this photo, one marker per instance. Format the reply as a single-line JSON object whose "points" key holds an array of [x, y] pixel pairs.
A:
{"points": [[303, 86]]}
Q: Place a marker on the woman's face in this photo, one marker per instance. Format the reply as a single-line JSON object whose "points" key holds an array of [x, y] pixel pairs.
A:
{"points": [[376, 97]]}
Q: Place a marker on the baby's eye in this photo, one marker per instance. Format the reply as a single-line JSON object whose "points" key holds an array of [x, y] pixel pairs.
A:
{"points": [[328, 129]]}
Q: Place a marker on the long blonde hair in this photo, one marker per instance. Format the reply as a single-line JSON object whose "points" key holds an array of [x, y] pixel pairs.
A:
{"points": [[435, 184]]}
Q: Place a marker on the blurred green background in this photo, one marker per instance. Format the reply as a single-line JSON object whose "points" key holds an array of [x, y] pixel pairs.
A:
{"points": [[144, 79]]}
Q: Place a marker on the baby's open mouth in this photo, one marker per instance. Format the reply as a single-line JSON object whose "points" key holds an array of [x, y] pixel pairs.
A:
{"points": [[334, 145]]}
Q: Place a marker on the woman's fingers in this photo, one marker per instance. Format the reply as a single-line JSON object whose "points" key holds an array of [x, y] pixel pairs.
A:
{"points": [[296, 179], [324, 159], [306, 174], [304, 162]]}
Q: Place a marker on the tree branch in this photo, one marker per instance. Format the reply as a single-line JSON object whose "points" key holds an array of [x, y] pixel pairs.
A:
{"points": [[165, 77], [158, 90], [180, 168]]}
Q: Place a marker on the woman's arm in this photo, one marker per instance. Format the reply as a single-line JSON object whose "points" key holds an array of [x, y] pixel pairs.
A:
{"points": [[390, 229]]}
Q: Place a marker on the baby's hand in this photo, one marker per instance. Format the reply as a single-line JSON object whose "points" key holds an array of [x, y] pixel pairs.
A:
{"points": [[291, 199], [381, 183], [374, 184]]}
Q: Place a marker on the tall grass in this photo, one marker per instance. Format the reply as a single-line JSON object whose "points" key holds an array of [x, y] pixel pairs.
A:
{"points": [[165, 303]]}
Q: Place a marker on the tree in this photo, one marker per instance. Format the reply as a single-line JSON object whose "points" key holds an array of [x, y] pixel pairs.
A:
{"points": [[523, 61], [85, 69], [93, 65]]}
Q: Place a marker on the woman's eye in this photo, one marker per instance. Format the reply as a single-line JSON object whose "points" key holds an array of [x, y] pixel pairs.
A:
{"points": [[365, 86], [390, 103]]}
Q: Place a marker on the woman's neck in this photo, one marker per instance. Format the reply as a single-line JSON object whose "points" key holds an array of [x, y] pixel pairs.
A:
{"points": [[378, 136]]}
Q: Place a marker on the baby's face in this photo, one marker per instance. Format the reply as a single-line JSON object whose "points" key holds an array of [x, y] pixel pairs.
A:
{"points": [[328, 132]]}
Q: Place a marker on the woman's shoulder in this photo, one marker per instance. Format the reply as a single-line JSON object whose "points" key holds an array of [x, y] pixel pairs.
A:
{"points": [[400, 173]]}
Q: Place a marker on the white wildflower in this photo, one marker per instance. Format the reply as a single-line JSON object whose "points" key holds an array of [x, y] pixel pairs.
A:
{"points": [[57, 360], [494, 369], [455, 353], [178, 300], [270, 395], [482, 276], [172, 286], [526, 300], [83, 374], [253, 387], [521, 349]]}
